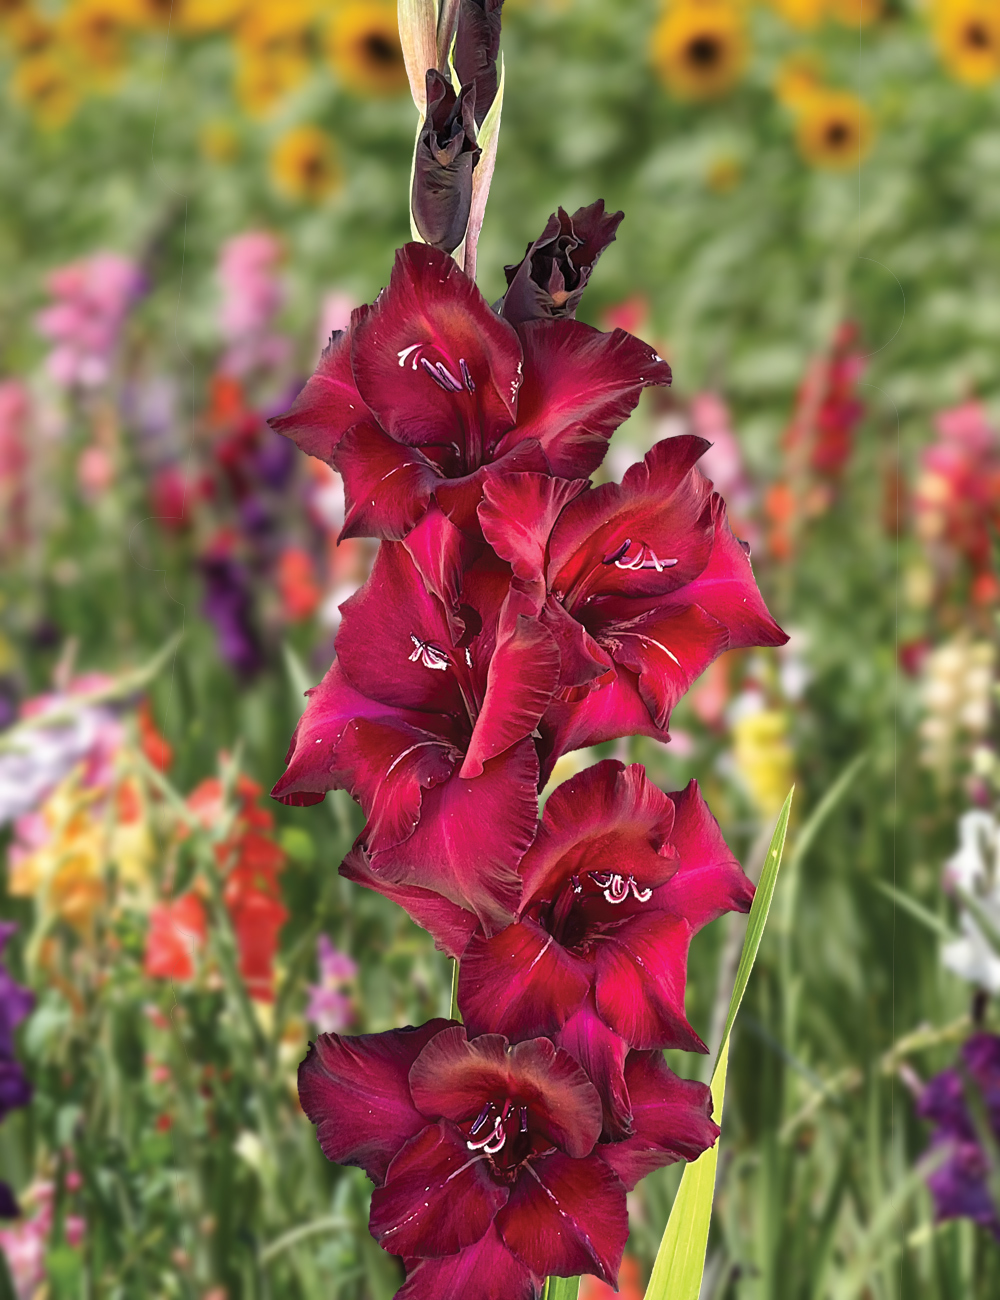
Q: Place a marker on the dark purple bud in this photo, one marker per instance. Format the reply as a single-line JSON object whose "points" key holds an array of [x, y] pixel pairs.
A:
{"points": [[549, 281], [477, 44], [446, 155], [9, 1208]]}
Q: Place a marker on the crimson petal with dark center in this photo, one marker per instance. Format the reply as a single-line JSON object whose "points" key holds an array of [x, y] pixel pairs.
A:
{"points": [[355, 1090], [602, 1054], [486, 1270]]}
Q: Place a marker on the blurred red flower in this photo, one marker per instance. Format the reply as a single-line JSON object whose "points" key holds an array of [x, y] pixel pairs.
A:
{"points": [[177, 931]]}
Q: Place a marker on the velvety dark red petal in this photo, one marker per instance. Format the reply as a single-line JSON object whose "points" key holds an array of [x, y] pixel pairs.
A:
{"points": [[582, 662], [395, 641], [455, 1076], [727, 589], [450, 926], [641, 974], [326, 753], [579, 386], [602, 1054], [647, 536], [387, 485], [520, 983], [708, 881], [517, 514], [485, 1270], [434, 363], [671, 1120], [356, 1091], [330, 403], [523, 674], [610, 710], [607, 817], [667, 650], [438, 1196], [460, 497], [471, 836], [566, 1217], [442, 553]]}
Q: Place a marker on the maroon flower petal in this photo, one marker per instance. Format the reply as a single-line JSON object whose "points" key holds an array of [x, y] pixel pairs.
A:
{"points": [[602, 1054], [450, 926], [485, 1270], [566, 1217], [523, 674], [434, 363], [520, 983], [582, 662], [641, 973], [395, 643], [453, 1077], [667, 650], [386, 485], [647, 536], [355, 1090], [449, 851], [330, 403], [727, 589], [612, 709], [708, 881], [460, 497], [328, 749], [517, 514], [579, 385], [671, 1120], [442, 553], [438, 1196], [607, 817]]}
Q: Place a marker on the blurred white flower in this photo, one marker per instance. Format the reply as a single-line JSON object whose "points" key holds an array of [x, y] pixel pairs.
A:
{"points": [[973, 871]]}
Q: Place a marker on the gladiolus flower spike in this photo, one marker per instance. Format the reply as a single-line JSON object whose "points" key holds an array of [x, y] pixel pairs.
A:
{"points": [[514, 612]]}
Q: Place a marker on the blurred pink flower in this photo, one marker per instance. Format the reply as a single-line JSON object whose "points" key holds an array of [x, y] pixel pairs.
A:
{"points": [[95, 471], [24, 1243], [334, 314], [13, 463], [331, 998], [723, 462], [252, 296], [92, 298]]}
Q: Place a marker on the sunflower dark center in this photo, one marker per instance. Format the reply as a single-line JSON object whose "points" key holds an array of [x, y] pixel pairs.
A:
{"points": [[977, 36], [379, 49], [838, 134], [705, 51]]}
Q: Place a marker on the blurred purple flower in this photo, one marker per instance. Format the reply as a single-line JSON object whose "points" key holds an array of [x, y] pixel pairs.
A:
{"points": [[91, 300], [228, 606], [15, 1090], [252, 296], [961, 1185], [331, 998]]}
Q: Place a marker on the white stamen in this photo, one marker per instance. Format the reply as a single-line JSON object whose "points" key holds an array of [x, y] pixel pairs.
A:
{"points": [[406, 352]]}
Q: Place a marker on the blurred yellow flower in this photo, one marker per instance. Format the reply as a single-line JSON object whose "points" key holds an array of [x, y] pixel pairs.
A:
{"points": [[197, 16], [94, 31], [65, 875], [262, 81], [700, 48], [274, 45], [855, 13], [152, 13], [219, 142], [724, 174], [363, 47], [798, 79], [304, 163], [835, 129], [28, 33], [764, 758], [967, 33], [804, 14], [47, 89]]}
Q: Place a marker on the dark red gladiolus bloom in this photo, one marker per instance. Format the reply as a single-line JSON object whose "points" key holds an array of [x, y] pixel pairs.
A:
{"points": [[488, 1177], [641, 583], [618, 879], [430, 392], [426, 717], [549, 281]]}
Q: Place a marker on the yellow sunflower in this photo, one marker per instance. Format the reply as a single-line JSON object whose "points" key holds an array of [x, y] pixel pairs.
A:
{"points": [[855, 13], [804, 14], [94, 31], [28, 33], [304, 164], [152, 13], [799, 78], [967, 33], [364, 49], [274, 47], [197, 16], [700, 48], [835, 129], [47, 88]]}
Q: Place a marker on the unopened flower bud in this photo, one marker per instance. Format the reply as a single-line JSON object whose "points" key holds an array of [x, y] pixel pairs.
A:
{"points": [[446, 155], [477, 44], [550, 279]]}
